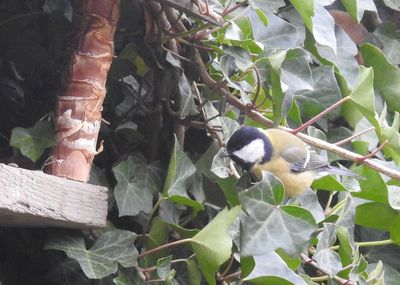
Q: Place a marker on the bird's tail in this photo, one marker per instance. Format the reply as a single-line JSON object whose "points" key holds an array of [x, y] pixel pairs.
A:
{"points": [[333, 170]]}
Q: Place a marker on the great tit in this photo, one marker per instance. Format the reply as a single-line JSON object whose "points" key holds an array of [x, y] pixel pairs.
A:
{"points": [[281, 153]]}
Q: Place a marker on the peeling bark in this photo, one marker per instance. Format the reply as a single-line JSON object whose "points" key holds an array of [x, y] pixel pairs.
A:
{"points": [[78, 113]]}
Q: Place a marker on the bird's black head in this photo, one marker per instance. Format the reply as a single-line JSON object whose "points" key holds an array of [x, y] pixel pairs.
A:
{"points": [[248, 146]]}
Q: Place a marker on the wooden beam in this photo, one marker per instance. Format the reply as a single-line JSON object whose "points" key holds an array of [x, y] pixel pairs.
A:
{"points": [[35, 199]]}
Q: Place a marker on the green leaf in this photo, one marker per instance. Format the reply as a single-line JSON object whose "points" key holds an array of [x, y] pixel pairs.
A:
{"points": [[157, 236], [164, 267], [345, 246], [391, 133], [390, 38], [326, 258], [296, 71], [309, 201], [292, 262], [375, 215], [194, 273], [274, 62], [390, 275], [271, 269], [262, 16], [136, 182], [344, 60], [33, 141], [357, 8], [286, 227], [328, 183], [211, 253], [128, 276], [180, 170], [325, 92], [393, 4], [395, 230], [269, 190], [267, 5], [386, 75], [279, 34], [394, 196], [241, 57], [373, 187], [233, 32], [306, 11], [363, 95], [187, 104], [102, 258]]}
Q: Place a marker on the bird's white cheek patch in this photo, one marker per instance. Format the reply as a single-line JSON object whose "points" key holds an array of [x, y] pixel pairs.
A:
{"points": [[252, 152]]}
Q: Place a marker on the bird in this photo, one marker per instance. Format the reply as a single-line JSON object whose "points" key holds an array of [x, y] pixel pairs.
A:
{"points": [[281, 153]]}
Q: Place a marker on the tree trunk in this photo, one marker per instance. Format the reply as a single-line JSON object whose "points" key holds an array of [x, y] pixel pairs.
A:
{"points": [[78, 113]]}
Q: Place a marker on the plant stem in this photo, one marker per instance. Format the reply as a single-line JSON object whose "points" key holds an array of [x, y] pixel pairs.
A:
{"points": [[152, 268], [368, 243], [231, 276], [147, 224], [349, 139], [164, 246], [320, 278], [320, 115], [370, 155], [338, 279], [328, 204]]}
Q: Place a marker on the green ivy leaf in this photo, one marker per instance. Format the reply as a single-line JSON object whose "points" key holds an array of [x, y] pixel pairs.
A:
{"points": [[271, 269], [373, 187], [357, 8], [395, 230], [286, 227], [366, 215], [211, 253], [390, 38], [136, 182], [128, 276], [326, 258], [279, 34], [386, 75], [363, 95], [164, 267], [33, 141], [180, 170], [194, 273], [187, 104], [102, 258], [267, 5]]}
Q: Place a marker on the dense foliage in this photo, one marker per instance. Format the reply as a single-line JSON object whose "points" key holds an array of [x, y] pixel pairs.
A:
{"points": [[177, 89]]}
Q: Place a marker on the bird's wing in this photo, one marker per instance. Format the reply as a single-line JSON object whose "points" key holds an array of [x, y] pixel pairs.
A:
{"points": [[303, 159]]}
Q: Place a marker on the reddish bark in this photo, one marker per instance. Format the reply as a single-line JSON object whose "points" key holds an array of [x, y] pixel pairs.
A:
{"points": [[78, 113]]}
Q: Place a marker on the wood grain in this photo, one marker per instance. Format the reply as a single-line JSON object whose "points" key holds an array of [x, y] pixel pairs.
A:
{"points": [[35, 199]]}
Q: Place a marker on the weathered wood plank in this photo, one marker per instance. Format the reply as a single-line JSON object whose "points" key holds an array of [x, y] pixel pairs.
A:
{"points": [[33, 198]]}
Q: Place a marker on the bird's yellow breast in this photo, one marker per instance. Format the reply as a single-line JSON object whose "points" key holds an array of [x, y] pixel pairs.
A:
{"points": [[294, 183]]}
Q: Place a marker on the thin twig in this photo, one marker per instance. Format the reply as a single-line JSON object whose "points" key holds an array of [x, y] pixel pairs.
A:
{"points": [[349, 139], [320, 115], [375, 151], [232, 276], [164, 246]]}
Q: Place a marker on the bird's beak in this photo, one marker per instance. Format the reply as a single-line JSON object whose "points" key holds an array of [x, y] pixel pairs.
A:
{"points": [[224, 154]]}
